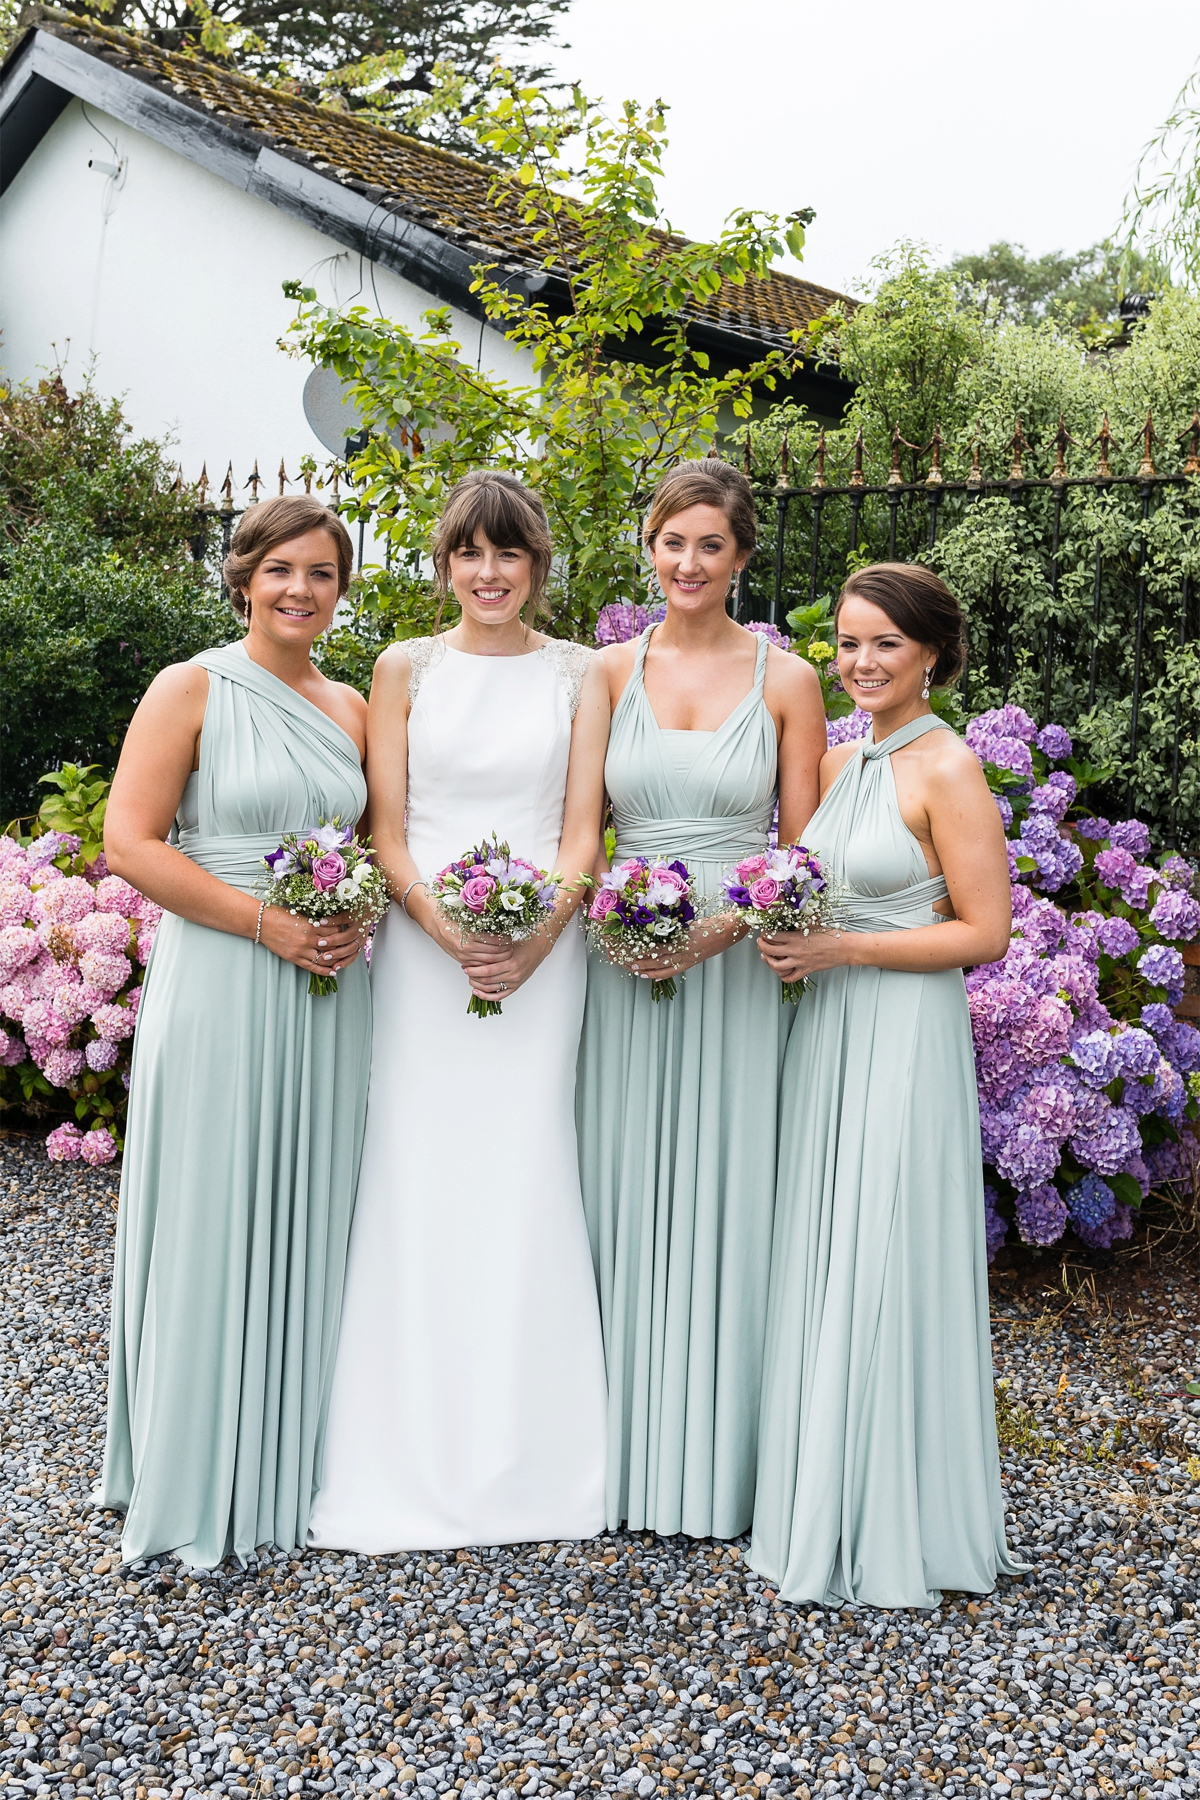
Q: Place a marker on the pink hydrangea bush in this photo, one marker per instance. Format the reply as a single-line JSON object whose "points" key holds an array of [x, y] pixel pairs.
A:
{"points": [[1087, 1081], [74, 943]]}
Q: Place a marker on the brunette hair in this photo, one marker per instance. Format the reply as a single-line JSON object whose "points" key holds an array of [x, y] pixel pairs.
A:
{"points": [[263, 527], [510, 515], [708, 482], [918, 604]]}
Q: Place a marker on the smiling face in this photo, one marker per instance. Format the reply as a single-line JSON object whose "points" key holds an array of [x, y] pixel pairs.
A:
{"points": [[696, 558], [490, 583], [293, 593], [881, 669]]}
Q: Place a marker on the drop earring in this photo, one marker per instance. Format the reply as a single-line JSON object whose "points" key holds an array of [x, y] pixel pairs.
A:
{"points": [[925, 689]]}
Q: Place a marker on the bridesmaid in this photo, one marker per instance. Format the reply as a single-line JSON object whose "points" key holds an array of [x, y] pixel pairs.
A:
{"points": [[711, 725], [247, 1097], [878, 1473]]}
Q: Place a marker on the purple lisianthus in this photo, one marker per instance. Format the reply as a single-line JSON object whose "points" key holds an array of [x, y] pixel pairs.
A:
{"points": [[1054, 742], [1117, 937], [1090, 1202], [1131, 835], [1162, 967], [1041, 1214], [1176, 915], [281, 862], [1096, 828]]}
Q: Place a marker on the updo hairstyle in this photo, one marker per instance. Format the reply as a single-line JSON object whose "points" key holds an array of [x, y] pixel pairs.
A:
{"points": [[708, 482], [510, 515], [264, 527], [918, 604]]}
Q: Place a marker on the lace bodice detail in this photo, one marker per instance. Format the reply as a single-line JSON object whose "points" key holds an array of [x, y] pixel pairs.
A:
{"points": [[568, 661]]}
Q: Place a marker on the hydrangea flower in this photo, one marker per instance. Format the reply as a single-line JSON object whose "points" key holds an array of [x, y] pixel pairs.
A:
{"points": [[62, 1066], [1004, 807], [1131, 835], [63, 1143], [1163, 967], [1176, 872], [849, 729], [1053, 801], [1054, 742], [1102, 1237], [1041, 1214], [1176, 915], [1090, 1202], [772, 633], [1117, 937], [1093, 828], [97, 1146], [995, 1226], [102, 1054], [1135, 1053], [1056, 857]]}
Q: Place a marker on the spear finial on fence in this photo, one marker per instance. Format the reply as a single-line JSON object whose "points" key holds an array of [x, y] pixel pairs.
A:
{"points": [[1146, 469], [1062, 438], [818, 480], [714, 449], [895, 474], [284, 477], [202, 486], [975, 473], [937, 444], [1192, 465], [227, 490], [784, 460], [336, 469], [1105, 440], [308, 469], [254, 483], [1019, 445], [856, 478]]}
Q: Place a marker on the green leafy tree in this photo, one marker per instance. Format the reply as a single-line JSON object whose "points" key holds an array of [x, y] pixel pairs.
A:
{"points": [[1162, 213], [1083, 289], [416, 65], [99, 584], [622, 392]]}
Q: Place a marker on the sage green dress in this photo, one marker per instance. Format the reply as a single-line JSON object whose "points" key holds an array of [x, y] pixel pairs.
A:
{"points": [[677, 1131], [246, 1114], [878, 1472]]}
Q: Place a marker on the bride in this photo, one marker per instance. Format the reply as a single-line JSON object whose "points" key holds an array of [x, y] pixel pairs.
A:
{"points": [[468, 1401]]}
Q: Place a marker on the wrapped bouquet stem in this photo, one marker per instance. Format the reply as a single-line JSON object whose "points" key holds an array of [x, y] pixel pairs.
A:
{"points": [[322, 874]]}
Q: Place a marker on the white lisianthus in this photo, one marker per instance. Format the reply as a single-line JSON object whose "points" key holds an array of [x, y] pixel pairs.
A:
{"points": [[346, 889], [512, 901], [663, 927], [451, 899]]}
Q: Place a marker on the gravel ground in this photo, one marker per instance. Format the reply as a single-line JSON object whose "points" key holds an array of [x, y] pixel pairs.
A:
{"points": [[629, 1663]]}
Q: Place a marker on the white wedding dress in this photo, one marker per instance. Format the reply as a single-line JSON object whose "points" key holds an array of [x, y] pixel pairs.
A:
{"points": [[468, 1400]]}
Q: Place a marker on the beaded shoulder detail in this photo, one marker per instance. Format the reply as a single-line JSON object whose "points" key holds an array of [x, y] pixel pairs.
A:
{"points": [[422, 654], [570, 664]]}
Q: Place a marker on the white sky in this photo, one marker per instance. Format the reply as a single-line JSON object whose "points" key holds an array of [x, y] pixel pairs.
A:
{"points": [[950, 121]]}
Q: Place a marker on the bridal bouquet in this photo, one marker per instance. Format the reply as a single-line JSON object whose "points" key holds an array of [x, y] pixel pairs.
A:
{"points": [[322, 874], [642, 909], [782, 890], [489, 891]]}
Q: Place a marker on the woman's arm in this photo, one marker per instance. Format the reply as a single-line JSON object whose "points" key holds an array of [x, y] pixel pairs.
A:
{"points": [[511, 964], [793, 694], [160, 750], [968, 841]]}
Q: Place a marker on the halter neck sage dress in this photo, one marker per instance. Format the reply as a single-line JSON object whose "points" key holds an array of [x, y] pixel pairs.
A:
{"points": [[878, 1471], [677, 1131], [246, 1109]]}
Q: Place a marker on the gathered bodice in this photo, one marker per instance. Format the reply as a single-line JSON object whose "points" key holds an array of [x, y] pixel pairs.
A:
{"points": [[706, 796], [270, 762], [489, 742], [860, 836]]}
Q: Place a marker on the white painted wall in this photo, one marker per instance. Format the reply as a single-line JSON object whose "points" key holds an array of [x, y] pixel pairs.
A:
{"points": [[167, 283]]}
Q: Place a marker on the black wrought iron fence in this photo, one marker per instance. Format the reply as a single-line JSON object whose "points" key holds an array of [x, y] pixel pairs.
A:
{"points": [[1079, 588]]}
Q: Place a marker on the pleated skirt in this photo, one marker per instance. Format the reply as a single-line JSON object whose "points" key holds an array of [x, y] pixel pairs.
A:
{"points": [[677, 1115], [247, 1105]]}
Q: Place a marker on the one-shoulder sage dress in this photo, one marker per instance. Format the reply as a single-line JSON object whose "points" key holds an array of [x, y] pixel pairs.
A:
{"points": [[878, 1471], [676, 1104], [246, 1111]]}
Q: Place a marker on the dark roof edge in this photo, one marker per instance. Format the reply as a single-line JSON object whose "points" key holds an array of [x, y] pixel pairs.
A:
{"points": [[45, 71]]}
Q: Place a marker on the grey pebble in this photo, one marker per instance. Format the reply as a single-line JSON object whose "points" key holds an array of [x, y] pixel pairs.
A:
{"points": [[628, 1664]]}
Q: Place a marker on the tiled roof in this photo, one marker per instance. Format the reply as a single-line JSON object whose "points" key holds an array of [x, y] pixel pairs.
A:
{"points": [[446, 193]]}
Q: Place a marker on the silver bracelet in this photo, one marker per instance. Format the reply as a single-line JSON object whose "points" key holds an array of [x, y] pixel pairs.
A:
{"points": [[258, 928], [408, 890]]}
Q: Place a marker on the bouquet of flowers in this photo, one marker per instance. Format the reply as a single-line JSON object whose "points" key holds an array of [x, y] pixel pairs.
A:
{"points": [[642, 908], [323, 874], [783, 890], [489, 891]]}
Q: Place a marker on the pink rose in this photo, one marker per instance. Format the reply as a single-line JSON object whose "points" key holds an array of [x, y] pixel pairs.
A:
{"points": [[670, 881], [603, 904], [328, 870], [753, 865], [765, 891], [475, 892]]}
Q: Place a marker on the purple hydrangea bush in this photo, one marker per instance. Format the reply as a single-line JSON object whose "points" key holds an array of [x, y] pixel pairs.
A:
{"points": [[74, 942], [1087, 1081]]}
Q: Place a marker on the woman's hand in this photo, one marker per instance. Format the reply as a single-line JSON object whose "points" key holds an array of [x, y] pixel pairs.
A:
{"points": [[496, 967], [704, 938], [793, 955], [321, 949]]}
